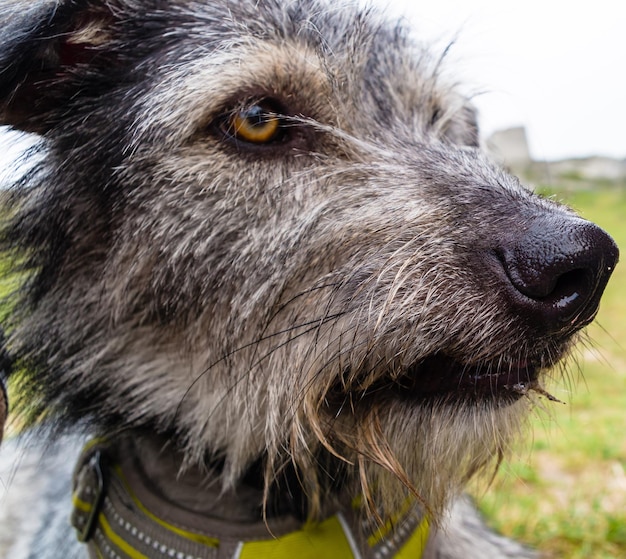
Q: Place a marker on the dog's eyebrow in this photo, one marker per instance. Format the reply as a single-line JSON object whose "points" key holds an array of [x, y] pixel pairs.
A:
{"points": [[192, 95]]}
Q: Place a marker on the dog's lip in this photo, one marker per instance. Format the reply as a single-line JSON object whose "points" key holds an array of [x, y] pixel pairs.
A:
{"points": [[441, 374]]}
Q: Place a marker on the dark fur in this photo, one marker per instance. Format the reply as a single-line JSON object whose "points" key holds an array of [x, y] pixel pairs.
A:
{"points": [[281, 311]]}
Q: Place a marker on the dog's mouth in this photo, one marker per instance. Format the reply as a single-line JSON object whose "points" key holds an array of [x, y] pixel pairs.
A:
{"points": [[443, 377], [440, 374]]}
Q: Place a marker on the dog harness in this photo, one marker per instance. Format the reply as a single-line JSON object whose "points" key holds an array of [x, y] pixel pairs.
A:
{"points": [[118, 517]]}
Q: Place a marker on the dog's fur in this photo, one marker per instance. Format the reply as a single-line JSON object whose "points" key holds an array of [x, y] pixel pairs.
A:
{"points": [[287, 308]]}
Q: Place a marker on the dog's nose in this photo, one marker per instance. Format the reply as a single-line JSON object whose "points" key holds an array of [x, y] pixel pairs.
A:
{"points": [[559, 269]]}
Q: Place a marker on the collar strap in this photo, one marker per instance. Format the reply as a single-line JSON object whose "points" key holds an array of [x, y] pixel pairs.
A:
{"points": [[116, 524]]}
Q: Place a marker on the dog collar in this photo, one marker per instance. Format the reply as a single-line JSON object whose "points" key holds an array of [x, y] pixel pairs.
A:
{"points": [[119, 520]]}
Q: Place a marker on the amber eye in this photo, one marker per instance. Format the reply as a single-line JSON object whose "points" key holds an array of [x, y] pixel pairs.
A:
{"points": [[257, 124]]}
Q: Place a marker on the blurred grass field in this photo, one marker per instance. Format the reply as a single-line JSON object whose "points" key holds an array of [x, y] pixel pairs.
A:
{"points": [[566, 496]]}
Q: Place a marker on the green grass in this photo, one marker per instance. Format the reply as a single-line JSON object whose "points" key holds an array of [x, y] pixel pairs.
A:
{"points": [[566, 496]]}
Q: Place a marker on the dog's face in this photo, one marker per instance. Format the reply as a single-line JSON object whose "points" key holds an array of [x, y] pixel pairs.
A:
{"points": [[267, 230]]}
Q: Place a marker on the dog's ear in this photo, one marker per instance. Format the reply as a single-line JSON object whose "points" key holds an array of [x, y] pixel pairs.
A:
{"points": [[47, 50], [463, 128]]}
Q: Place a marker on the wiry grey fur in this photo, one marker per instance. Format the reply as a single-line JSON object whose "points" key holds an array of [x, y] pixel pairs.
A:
{"points": [[274, 304]]}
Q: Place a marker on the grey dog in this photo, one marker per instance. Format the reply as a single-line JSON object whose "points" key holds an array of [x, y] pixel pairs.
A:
{"points": [[274, 301]]}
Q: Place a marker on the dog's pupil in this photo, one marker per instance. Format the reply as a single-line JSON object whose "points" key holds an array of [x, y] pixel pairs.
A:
{"points": [[256, 116]]}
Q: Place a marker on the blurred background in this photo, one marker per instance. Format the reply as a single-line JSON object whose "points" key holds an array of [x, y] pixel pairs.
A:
{"points": [[555, 67], [549, 81]]}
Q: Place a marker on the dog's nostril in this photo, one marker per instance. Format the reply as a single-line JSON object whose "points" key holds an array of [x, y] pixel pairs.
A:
{"points": [[559, 270], [571, 288], [570, 294]]}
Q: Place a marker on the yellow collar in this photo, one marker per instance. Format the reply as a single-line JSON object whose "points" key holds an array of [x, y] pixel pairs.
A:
{"points": [[115, 523]]}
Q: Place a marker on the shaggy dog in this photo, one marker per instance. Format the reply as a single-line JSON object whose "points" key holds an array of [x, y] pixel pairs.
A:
{"points": [[266, 269]]}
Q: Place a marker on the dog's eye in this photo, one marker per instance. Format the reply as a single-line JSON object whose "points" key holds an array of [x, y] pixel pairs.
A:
{"points": [[258, 123]]}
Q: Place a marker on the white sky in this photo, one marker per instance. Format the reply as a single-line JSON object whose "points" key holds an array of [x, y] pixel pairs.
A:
{"points": [[557, 67]]}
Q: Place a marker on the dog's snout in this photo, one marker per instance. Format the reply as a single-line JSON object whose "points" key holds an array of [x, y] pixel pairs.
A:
{"points": [[559, 269]]}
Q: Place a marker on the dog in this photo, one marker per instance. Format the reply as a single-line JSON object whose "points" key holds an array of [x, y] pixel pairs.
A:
{"points": [[274, 299]]}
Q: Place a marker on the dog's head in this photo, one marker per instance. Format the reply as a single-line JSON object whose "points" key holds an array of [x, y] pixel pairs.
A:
{"points": [[266, 230]]}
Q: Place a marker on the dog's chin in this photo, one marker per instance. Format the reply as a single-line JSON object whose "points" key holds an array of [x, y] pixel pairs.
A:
{"points": [[434, 426]]}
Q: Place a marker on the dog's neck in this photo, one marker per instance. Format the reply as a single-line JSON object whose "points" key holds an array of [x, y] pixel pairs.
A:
{"points": [[133, 494], [201, 489], [151, 466]]}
